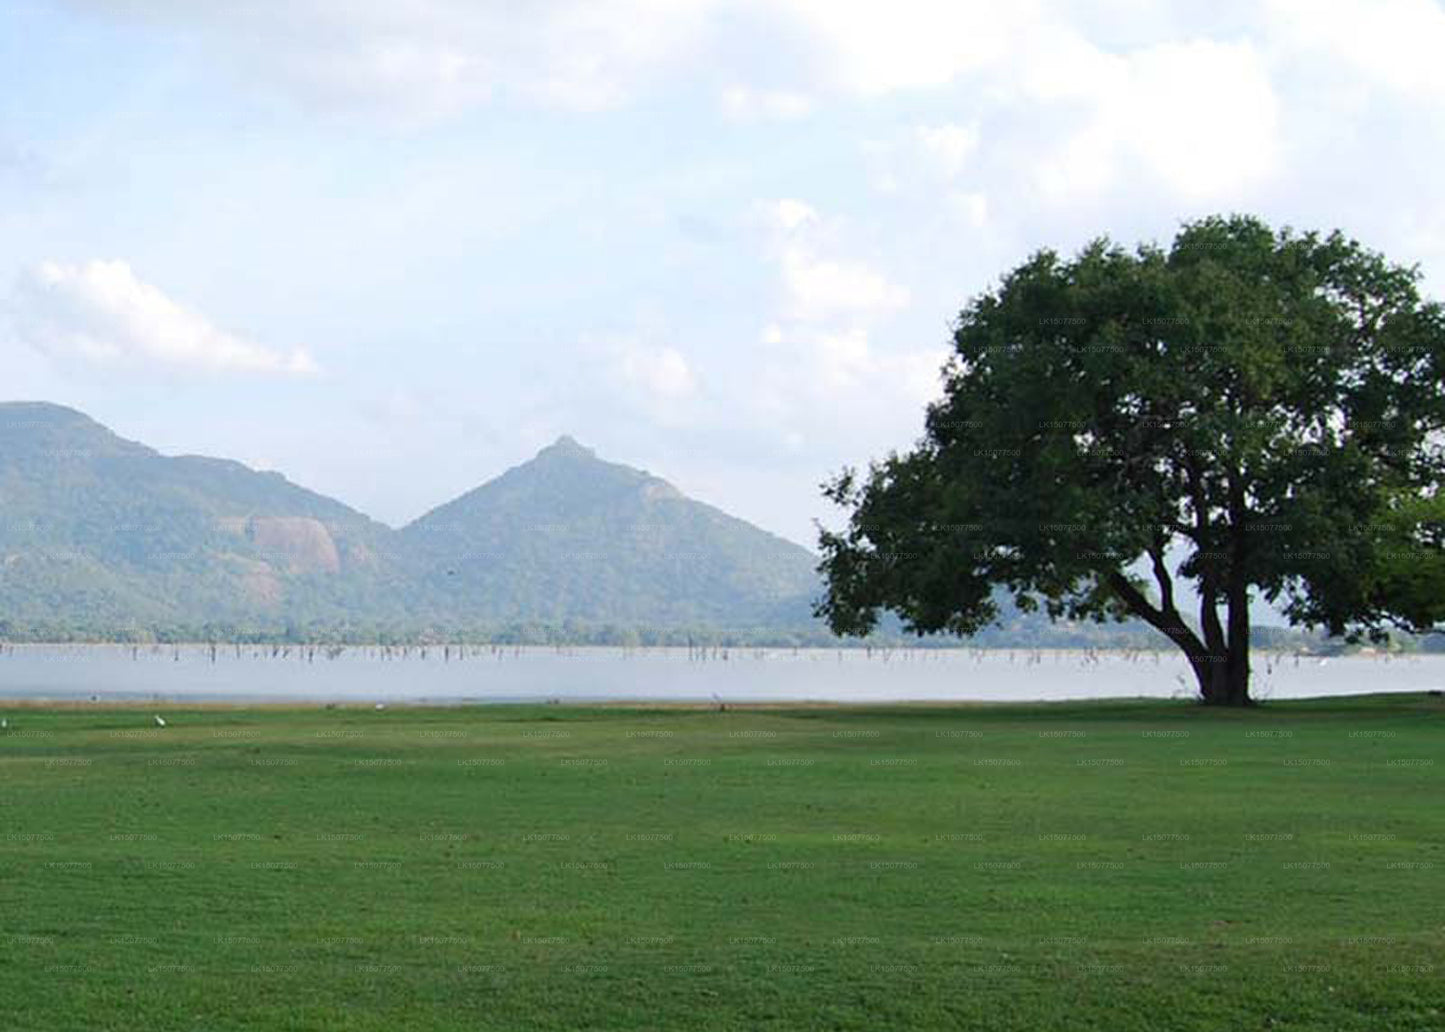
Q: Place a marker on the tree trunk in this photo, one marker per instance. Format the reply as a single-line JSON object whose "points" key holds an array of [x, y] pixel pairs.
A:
{"points": [[1223, 676], [1236, 655], [1224, 680], [1238, 659]]}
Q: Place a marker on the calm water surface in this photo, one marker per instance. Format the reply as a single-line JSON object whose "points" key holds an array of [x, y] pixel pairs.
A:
{"points": [[508, 674]]}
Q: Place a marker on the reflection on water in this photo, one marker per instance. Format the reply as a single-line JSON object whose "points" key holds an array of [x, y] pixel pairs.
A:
{"points": [[451, 674]]}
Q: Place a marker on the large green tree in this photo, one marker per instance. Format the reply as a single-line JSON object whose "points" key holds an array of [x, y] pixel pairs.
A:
{"points": [[1256, 413]]}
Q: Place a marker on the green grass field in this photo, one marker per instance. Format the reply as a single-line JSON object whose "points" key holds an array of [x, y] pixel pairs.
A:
{"points": [[1112, 866]]}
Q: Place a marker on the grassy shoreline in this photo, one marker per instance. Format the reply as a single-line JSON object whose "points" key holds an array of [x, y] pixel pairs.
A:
{"points": [[1349, 702], [1112, 864]]}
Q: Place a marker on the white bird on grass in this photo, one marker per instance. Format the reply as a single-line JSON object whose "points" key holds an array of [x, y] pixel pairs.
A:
{"points": [[160, 721]]}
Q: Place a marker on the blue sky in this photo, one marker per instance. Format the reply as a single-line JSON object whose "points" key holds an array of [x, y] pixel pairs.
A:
{"points": [[393, 249]]}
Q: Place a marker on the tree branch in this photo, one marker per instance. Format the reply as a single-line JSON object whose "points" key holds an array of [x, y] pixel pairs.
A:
{"points": [[1209, 617], [1171, 626], [1162, 578], [1208, 582]]}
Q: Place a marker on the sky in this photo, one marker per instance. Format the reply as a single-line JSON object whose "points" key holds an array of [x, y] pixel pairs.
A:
{"points": [[393, 249]]}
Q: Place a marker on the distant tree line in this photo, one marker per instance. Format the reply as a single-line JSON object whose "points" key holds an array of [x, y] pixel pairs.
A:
{"points": [[1083, 636]]}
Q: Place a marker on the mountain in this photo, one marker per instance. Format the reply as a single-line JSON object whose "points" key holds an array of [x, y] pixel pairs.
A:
{"points": [[570, 538], [105, 535], [97, 531]]}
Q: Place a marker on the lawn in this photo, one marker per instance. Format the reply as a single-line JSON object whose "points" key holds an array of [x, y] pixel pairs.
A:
{"points": [[1114, 866]]}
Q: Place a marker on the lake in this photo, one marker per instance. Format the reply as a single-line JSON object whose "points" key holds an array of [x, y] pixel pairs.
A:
{"points": [[483, 674]]}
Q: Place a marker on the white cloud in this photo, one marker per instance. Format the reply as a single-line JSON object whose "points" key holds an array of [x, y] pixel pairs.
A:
{"points": [[816, 357], [790, 214], [840, 359], [811, 375], [818, 289], [436, 58], [845, 360], [661, 371], [969, 205], [1200, 118], [1397, 43], [103, 314], [877, 48], [949, 146], [743, 104], [1194, 119], [818, 286]]}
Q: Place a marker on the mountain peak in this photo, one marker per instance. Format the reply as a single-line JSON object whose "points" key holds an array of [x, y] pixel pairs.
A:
{"points": [[571, 536], [567, 445], [43, 413], [41, 427]]}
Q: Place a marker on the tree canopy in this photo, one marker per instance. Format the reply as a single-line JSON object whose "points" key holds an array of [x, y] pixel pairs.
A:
{"points": [[1256, 413]]}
